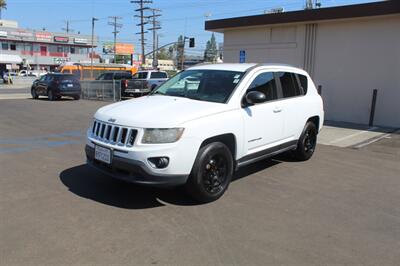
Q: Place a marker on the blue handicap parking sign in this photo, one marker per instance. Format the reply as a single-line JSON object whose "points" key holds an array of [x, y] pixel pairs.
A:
{"points": [[242, 56]]}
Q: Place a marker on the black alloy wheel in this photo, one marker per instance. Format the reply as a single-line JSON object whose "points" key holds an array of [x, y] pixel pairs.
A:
{"points": [[211, 173], [307, 142]]}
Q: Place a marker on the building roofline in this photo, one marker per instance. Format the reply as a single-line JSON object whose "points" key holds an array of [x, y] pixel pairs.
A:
{"points": [[329, 13]]}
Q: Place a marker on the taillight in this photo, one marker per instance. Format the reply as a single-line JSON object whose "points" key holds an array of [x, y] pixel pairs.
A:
{"points": [[125, 83]]}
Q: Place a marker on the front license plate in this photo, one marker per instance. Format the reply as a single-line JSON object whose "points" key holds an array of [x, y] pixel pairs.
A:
{"points": [[136, 90], [70, 85], [102, 154]]}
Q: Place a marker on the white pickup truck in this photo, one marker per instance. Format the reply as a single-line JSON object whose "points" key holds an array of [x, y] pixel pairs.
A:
{"points": [[200, 126], [142, 83]]}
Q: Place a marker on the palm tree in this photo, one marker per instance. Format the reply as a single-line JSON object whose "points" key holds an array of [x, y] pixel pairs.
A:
{"points": [[3, 5]]}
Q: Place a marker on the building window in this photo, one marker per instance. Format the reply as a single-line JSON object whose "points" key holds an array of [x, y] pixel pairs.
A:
{"points": [[4, 46], [36, 48], [13, 47], [60, 49], [72, 50]]}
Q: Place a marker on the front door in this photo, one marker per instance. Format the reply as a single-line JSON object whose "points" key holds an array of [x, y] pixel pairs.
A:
{"points": [[263, 122], [43, 50]]}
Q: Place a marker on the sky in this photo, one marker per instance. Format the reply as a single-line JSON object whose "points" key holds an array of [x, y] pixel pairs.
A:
{"points": [[177, 16]]}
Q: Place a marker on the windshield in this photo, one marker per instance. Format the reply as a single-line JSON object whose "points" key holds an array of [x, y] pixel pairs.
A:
{"points": [[204, 85]]}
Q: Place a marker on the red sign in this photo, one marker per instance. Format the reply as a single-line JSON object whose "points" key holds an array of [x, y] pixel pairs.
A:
{"points": [[61, 39], [43, 36]]}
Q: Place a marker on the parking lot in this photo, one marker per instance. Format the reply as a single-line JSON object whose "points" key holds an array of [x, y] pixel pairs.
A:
{"points": [[341, 207]]}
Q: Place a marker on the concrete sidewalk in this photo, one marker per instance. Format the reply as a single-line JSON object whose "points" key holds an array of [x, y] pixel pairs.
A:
{"points": [[343, 134]]}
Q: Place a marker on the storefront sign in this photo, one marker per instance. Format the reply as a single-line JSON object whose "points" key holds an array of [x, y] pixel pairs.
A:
{"points": [[62, 39], [3, 34], [43, 36], [80, 40], [21, 33]]}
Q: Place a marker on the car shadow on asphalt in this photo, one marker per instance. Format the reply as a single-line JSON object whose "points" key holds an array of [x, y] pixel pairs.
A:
{"points": [[89, 183], [47, 99]]}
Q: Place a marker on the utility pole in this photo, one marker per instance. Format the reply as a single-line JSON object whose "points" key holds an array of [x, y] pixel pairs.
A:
{"points": [[154, 28], [116, 26], [141, 10], [309, 4], [91, 54], [67, 29]]}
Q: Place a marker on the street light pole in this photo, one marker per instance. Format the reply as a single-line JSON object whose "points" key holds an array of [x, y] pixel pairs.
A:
{"points": [[91, 54]]}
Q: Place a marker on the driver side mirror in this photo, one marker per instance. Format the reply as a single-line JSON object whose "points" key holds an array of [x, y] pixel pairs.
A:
{"points": [[255, 97]]}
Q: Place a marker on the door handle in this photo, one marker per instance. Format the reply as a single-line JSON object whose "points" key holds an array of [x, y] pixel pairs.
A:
{"points": [[277, 110]]}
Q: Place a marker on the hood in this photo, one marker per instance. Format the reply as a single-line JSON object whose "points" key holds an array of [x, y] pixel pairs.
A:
{"points": [[158, 111]]}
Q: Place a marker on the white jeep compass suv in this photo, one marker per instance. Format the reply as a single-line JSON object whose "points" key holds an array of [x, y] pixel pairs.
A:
{"points": [[198, 127]]}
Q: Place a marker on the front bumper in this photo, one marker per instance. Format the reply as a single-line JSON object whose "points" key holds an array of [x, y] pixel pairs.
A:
{"points": [[133, 171]]}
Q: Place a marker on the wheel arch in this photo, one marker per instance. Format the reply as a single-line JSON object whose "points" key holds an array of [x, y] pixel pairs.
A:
{"points": [[315, 120], [228, 139]]}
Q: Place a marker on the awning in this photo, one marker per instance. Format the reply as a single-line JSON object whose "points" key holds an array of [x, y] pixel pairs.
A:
{"points": [[10, 59]]}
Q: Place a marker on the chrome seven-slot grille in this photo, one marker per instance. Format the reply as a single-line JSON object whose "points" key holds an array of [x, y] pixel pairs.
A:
{"points": [[114, 134]]}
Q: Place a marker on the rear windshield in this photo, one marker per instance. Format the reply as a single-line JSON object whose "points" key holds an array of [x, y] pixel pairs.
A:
{"points": [[65, 77], [158, 75]]}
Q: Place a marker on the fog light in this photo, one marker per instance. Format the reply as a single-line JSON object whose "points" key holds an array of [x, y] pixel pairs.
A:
{"points": [[159, 162]]}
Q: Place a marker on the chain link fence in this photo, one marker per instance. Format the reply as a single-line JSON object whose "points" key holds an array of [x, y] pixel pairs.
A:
{"points": [[104, 90]]}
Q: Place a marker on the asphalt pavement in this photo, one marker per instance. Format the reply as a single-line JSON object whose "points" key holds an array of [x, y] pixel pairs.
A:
{"points": [[339, 208]]}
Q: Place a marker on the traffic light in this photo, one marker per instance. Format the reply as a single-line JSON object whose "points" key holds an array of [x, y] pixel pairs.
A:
{"points": [[191, 42]]}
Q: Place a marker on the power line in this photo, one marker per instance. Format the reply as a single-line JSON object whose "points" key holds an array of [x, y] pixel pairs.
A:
{"points": [[116, 25]]}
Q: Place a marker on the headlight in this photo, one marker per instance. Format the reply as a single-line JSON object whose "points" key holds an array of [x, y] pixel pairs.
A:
{"points": [[162, 135]]}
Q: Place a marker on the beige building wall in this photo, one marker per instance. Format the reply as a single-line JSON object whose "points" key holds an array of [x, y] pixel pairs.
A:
{"points": [[349, 58]]}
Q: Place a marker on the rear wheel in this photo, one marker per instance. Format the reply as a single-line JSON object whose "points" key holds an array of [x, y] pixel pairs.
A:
{"points": [[34, 94], [307, 142], [50, 95], [211, 173]]}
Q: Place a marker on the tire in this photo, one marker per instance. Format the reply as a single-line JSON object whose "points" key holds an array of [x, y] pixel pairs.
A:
{"points": [[307, 142], [211, 173], [34, 94], [77, 97], [51, 95]]}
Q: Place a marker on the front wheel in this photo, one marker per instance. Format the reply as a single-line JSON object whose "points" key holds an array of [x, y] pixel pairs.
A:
{"points": [[34, 94], [211, 173], [307, 142], [51, 96]]}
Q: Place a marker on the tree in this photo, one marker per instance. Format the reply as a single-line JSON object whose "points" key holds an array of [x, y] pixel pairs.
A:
{"points": [[3, 5], [211, 51], [163, 54]]}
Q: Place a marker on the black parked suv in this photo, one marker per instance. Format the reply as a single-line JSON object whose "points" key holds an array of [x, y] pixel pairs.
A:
{"points": [[56, 85]]}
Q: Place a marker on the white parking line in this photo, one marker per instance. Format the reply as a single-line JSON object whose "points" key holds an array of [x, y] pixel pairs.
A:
{"points": [[353, 135], [359, 146]]}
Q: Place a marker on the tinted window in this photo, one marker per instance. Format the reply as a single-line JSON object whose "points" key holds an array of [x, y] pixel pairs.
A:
{"points": [[158, 75], [290, 87], [303, 82], [122, 76], [141, 75], [67, 77], [265, 83]]}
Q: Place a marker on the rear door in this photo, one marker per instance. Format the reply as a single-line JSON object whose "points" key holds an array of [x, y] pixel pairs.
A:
{"points": [[293, 104]]}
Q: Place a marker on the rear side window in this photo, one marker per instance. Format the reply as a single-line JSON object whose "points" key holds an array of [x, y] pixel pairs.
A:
{"points": [[122, 76], [290, 86], [141, 75], [265, 83], [303, 82], [158, 75]]}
